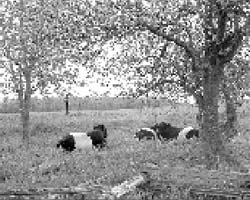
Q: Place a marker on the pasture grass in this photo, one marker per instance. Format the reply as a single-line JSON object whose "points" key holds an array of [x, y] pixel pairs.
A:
{"points": [[42, 165]]}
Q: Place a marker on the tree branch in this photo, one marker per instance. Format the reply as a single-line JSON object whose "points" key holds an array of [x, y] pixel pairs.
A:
{"points": [[155, 85], [230, 46], [190, 51], [221, 24], [185, 84], [178, 42]]}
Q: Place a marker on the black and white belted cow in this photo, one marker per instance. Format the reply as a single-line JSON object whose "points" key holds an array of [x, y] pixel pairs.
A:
{"points": [[83, 140], [166, 131]]}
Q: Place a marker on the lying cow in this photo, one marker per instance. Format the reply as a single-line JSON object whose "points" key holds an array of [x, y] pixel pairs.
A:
{"points": [[82, 140], [166, 131]]}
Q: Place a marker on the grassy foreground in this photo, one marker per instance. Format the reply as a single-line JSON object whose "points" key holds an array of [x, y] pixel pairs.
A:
{"points": [[45, 166]]}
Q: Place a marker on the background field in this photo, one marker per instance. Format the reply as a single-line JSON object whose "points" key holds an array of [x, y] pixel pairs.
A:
{"points": [[52, 104], [45, 166]]}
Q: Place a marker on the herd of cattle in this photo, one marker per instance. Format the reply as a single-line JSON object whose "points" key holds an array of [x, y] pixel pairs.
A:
{"points": [[98, 136]]}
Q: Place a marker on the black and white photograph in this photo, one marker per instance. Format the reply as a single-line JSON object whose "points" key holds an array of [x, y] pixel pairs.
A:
{"points": [[124, 100]]}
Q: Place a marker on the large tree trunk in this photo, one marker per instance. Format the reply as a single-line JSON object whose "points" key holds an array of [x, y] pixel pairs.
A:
{"points": [[210, 133]]}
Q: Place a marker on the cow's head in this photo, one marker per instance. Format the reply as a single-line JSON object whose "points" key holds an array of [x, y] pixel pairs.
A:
{"points": [[161, 127], [102, 128]]}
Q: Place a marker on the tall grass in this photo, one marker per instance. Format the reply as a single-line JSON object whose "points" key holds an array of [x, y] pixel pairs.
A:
{"points": [[123, 159], [42, 165]]}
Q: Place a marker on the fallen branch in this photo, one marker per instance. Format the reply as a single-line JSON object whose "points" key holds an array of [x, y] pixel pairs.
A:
{"points": [[127, 186], [119, 190]]}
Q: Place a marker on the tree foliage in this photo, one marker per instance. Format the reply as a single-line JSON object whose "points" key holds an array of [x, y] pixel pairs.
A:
{"points": [[40, 37], [197, 42]]}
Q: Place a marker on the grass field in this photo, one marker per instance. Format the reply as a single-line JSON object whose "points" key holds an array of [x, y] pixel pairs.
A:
{"points": [[45, 166]]}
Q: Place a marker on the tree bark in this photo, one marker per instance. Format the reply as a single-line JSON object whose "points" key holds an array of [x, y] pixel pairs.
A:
{"points": [[199, 116], [210, 134], [25, 124], [231, 115]]}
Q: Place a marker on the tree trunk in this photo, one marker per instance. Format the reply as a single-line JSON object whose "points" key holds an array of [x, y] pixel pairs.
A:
{"points": [[25, 124], [25, 72], [210, 133], [26, 109]]}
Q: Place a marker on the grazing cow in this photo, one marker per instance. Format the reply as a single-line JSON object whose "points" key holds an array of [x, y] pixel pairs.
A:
{"points": [[145, 133], [166, 131], [76, 140], [98, 136]]}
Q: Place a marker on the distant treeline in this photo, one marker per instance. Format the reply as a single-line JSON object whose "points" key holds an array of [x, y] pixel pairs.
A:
{"points": [[53, 104]]}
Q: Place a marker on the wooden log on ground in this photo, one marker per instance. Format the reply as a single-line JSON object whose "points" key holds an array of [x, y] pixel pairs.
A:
{"points": [[127, 186]]}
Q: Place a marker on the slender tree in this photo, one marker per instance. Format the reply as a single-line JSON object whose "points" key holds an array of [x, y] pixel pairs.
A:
{"points": [[39, 37]]}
